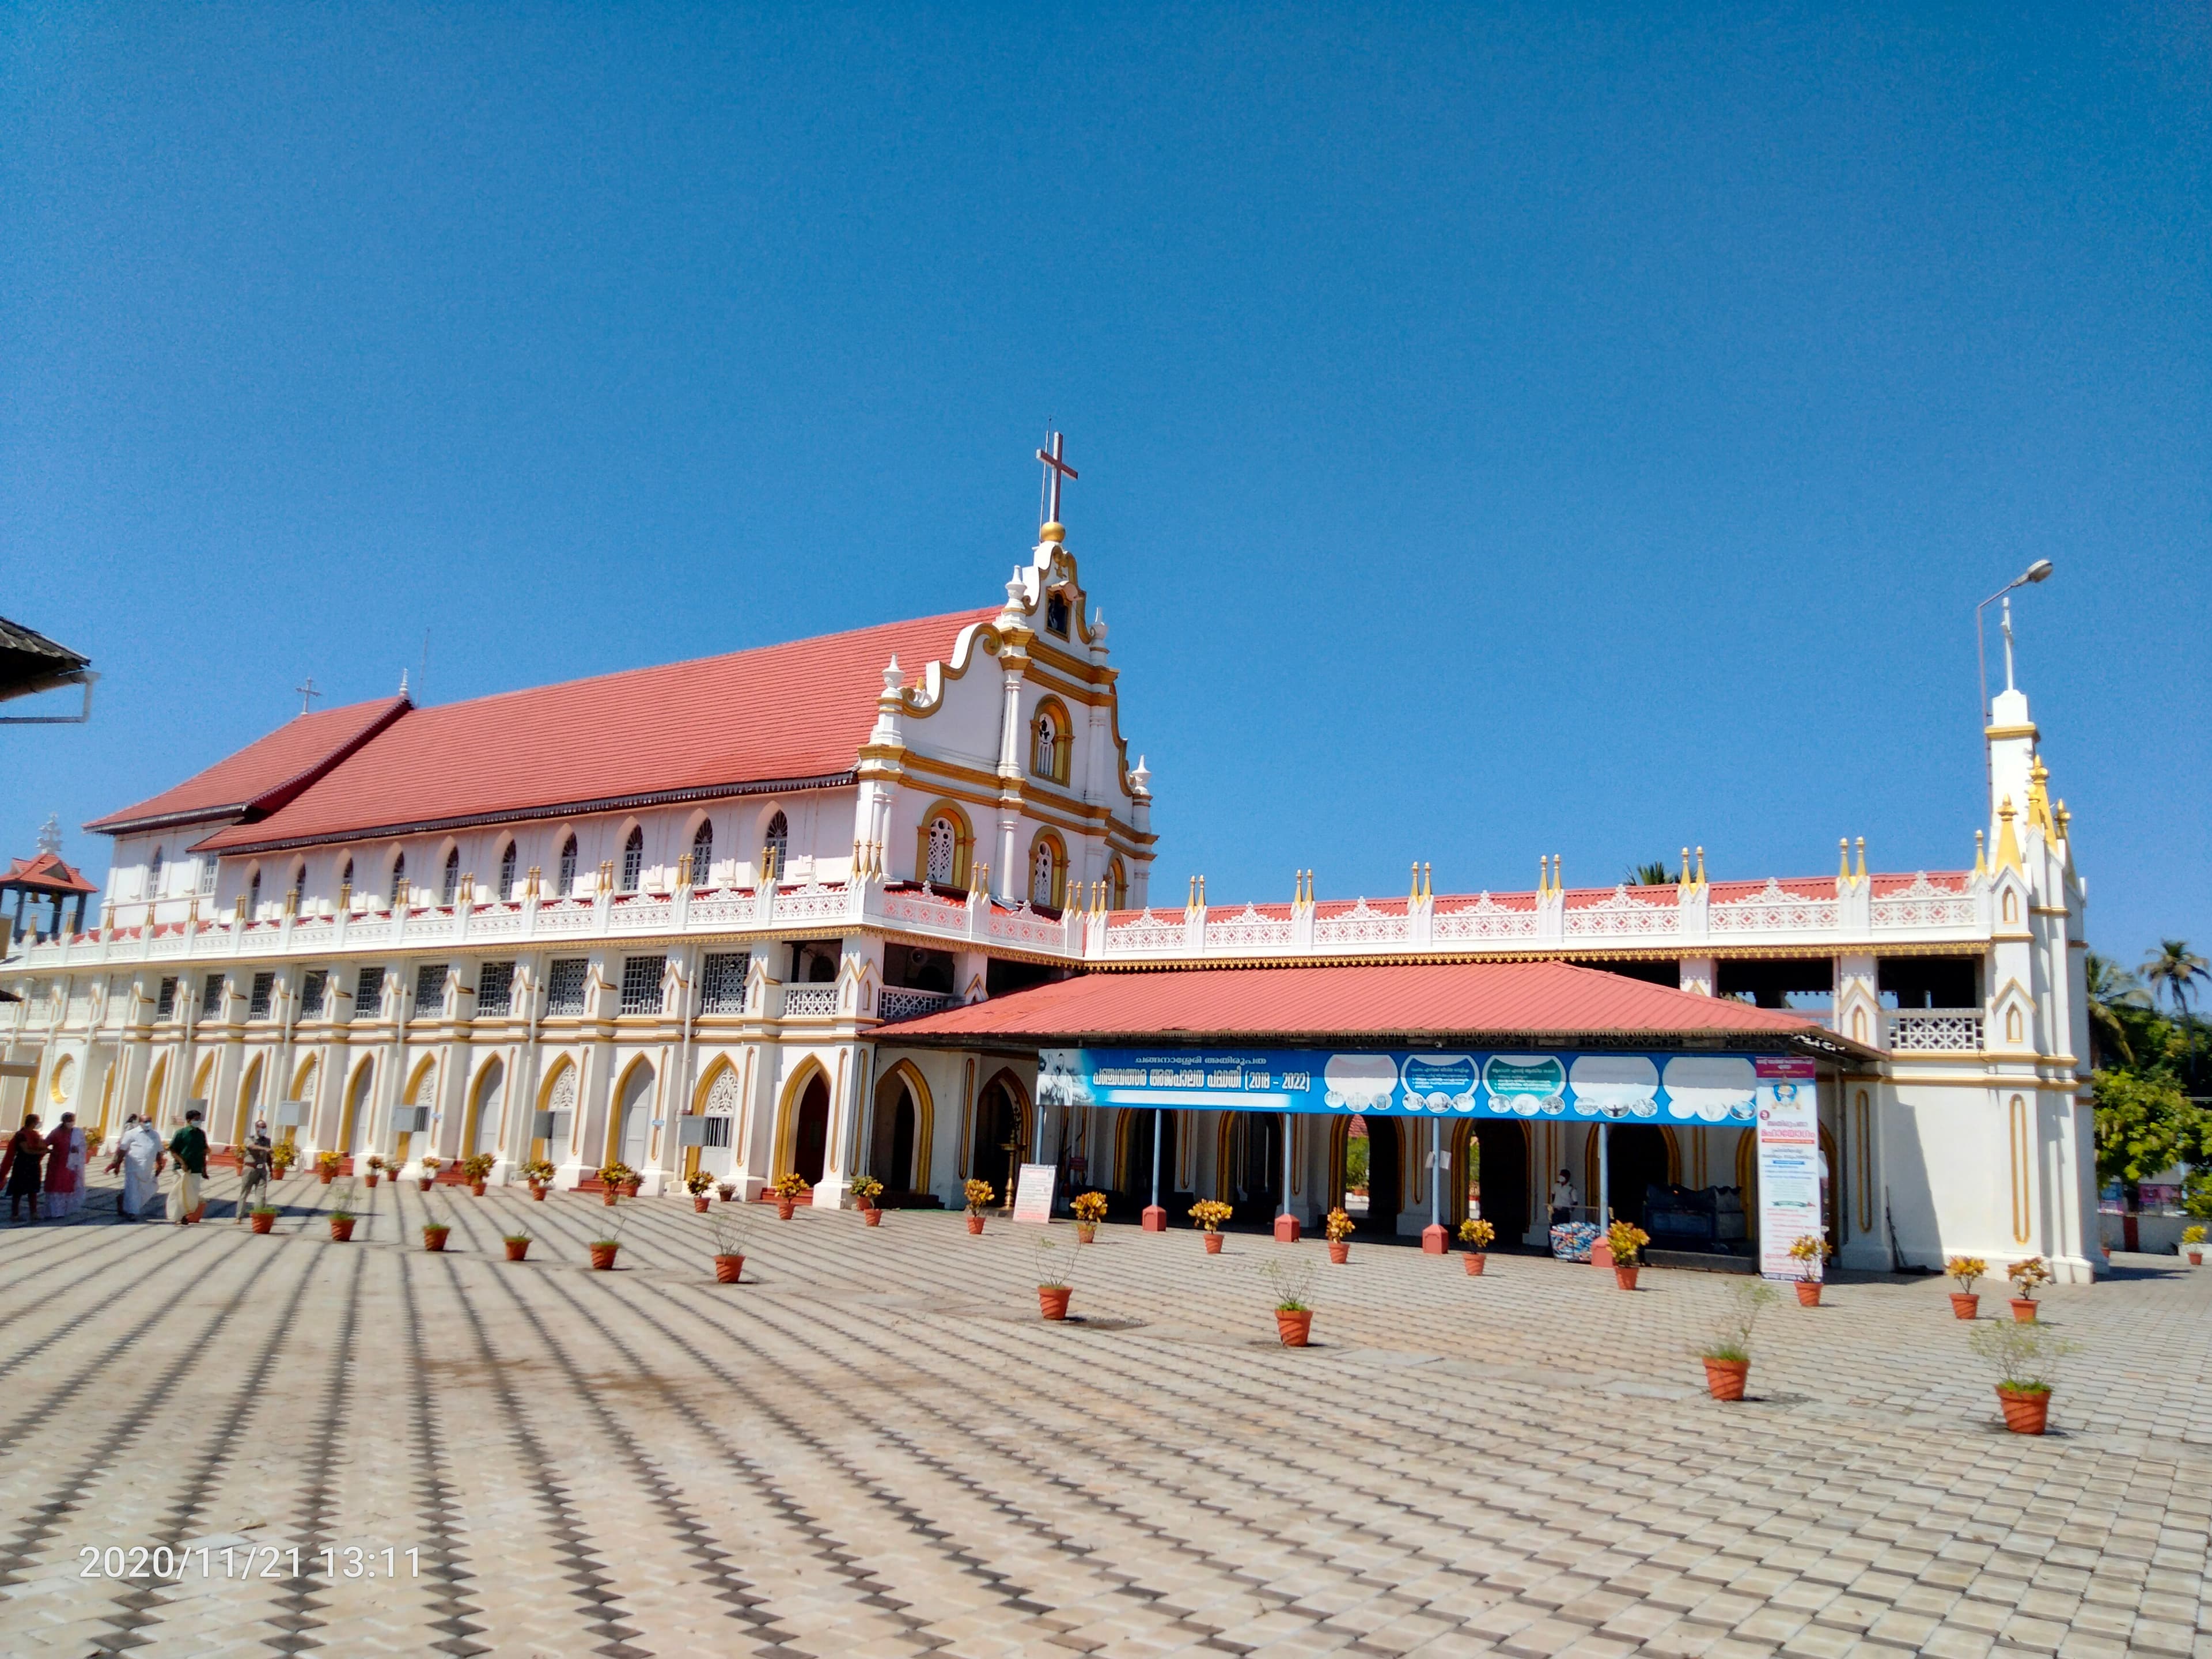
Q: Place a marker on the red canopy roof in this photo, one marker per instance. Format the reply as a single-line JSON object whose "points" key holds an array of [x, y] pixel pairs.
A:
{"points": [[1455, 1000], [265, 773], [45, 873], [783, 715]]}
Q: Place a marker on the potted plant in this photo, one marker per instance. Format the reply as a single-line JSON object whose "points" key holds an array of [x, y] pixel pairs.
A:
{"points": [[2192, 1245], [2026, 1356], [787, 1188], [281, 1157], [978, 1194], [866, 1189], [1090, 1210], [2025, 1276], [729, 1248], [726, 1191], [264, 1217], [341, 1216], [1210, 1213], [1293, 1313], [1337, 1225], [1052, 1289], [613, 1182], [1625, 1239], [1965, 1271], [434, 1234], [632, 1181], [603, 1249], [476, 1166], [1727, 1353], [1476, 1234], [429, 1167], [518, 1244], [698, 1183], [1809, 1253], [327, 1165], [375, 1170], [538, 1172]]}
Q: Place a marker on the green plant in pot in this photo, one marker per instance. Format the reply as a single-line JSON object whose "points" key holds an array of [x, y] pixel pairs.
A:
{"points": [[2026, 1356], [603, 1249], [729, 1246], [1727, 1351], [1053, 1288], [1292, 1283]]}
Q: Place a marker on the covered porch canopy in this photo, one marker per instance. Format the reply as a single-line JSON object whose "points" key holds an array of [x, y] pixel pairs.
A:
{"points": [[1447, 1042]]}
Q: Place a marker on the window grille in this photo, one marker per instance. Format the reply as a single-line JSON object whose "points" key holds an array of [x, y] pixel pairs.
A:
{"points": [[640, 984], [712, 1131], [211, 997], [207, 877], [165, 1005], [564, 985], [507, 875], [258, 1000], [495, 989], [399, 877], [566, 883], [702, 855], [943, 842], [369, 994], [314, 992], [722, 982], [1041, 871], [429, 989], [449, 884], [633, 864]]}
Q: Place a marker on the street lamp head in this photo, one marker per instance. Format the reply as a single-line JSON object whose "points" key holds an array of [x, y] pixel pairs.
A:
{"points": [[2039, 571]]}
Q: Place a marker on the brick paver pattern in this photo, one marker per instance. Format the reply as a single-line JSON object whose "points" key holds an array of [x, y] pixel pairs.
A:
{"points": [[874, 1446]]}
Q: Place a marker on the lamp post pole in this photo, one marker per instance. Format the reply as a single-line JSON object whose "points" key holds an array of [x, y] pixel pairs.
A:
{"points": [[2038, 572]]}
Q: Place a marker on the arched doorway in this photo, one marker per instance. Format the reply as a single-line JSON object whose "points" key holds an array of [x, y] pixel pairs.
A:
{"points": [[1492, 1167], [249, 1103], [896, 1136], [1000, 1139], [156, 1086], [303, 1097], [1249, 1173], [633, 1128], [1637, 1157], [352, 1132], [1136, 1159], [491, 1088], [1367, 1174], [810, 1131]]}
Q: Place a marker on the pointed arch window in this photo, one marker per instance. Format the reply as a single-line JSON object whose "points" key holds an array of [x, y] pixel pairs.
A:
{"points": [[565, 883], [702, 853], [299, 885], [508, 878], [398, 889], [1044, 875], [778, 847], [154, 876], [254, 896], [1051, 734], [944, 849], [633, 862], [449, 883], [345, 874]]}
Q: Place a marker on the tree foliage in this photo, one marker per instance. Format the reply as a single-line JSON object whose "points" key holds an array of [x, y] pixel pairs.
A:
{"points": [[2145, 1126]]}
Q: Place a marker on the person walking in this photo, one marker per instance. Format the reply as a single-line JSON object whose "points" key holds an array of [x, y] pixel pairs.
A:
{"points": [[140, 1156], [256, 1160], [19, 1167], [64, 1168], [189, 1146]]}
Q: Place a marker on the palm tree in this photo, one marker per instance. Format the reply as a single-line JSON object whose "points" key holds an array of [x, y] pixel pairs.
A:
{"points": [[2173, 968], [1652, 875], [2113, 988]]}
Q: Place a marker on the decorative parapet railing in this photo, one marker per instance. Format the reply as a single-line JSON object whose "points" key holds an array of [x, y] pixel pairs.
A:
{"points": [[1935, 1030], [898, 1002], [810, 1001]]}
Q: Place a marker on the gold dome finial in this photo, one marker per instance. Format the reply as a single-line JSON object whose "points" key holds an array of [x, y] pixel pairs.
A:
{"points": [[1053, 531]]}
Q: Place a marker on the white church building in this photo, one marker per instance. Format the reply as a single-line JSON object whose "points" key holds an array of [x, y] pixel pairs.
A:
{"points": [[821, 907]]}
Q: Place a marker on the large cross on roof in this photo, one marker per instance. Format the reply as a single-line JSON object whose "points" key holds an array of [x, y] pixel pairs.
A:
{"points": [[1055, 469]]}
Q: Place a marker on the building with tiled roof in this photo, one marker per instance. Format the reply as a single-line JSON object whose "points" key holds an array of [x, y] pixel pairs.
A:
{"points": [[879, 904]]}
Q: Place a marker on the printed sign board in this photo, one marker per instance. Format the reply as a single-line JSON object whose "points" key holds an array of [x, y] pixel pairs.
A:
{"points": [[1033, 1193], [1598, 1088], [1789, 1164]]}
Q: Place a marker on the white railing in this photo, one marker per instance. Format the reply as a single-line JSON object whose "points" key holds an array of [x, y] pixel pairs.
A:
{"points": [[897, 1002], [810, 1001], [1935, 1030]]}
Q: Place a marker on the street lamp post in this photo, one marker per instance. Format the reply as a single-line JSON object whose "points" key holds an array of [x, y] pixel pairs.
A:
{"points": [[2039, 571]]}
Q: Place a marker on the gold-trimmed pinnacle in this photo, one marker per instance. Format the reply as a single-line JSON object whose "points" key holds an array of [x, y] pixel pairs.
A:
{"points": [[1701, 867], [1861, 870], [1843, 858], [2007, 842], [1981, 861]]}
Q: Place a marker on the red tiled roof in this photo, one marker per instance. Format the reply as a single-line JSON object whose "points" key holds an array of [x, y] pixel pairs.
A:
{"points": [[1415, 1000], [45, 873], [265, 773], [780, 715]]}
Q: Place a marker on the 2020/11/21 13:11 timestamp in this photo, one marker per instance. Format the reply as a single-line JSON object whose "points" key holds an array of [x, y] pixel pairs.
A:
{"points": [[248, 1561]]}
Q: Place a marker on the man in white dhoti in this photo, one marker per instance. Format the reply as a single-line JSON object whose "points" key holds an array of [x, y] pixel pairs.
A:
{"points": [[139, 1155], [189, 1146]]}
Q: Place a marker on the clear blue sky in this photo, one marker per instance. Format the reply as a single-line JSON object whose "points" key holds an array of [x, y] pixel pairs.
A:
{"points": [[1501, 434]]}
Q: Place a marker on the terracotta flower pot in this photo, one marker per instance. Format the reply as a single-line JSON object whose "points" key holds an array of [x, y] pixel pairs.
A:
{"points": [[477, 1188], [871, 1217], [700, 1204], [1213, 1243], [1052, 1300], [341, 1229], [975, 1223], [516, 1247], [2026, 1411], [728, 1268], [1965, 1304], [608, 1195], [1293, 1327], [327, 1175], [1724, 1378], [786, 1207], [262, 1224], [1476, 1260], [2023, 1309], [1625, 1277], [1339, 1250], [630, 1188], [1808, 1292], [538, 1191], [1086, 1233], [423, 1182], [371, 1179], [603, 1256], [433, 1238], [2197, 1258]]}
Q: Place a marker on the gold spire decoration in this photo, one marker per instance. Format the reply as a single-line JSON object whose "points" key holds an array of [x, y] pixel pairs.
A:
{"points": [[2039, 799], [1428, 882], [2007, 842], [1413, 893], [2062, 817], [1701, 867]]}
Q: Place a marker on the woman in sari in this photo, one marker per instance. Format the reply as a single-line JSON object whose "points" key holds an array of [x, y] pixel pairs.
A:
{"points": [[64, 1168], [19, 1167]]}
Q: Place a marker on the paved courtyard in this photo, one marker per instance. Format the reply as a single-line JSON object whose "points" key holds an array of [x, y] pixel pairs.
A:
{"points": [[873, 1446]]}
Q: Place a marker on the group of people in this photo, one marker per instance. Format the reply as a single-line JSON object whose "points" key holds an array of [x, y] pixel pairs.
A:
{"points": [[47, 1169]]}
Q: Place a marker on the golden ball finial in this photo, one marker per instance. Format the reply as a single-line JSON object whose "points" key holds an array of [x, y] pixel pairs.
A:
{"points": [[1052, 532]]}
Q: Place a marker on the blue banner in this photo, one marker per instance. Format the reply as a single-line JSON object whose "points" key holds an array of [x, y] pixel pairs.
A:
{"points": [[1609, 1087]]}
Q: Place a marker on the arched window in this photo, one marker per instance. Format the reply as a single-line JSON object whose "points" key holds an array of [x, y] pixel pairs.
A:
{"points": [[254, 896], [1055, 612], [944, 849], [1044, 874], [345, 874], [565, 883], [702, 853], [1051, 735], [507, 877], [1117, 885], [778, 841], [398, 890], [633, 864], [299, 885], [154, 876], [449, 883]]}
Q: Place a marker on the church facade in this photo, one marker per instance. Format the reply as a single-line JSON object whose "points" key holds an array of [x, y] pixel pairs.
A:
{"points": [[716, 916]]}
